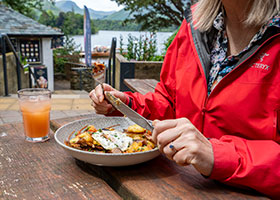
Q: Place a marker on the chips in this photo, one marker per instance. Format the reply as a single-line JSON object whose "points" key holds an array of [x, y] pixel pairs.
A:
{"points": [[108, 140]]}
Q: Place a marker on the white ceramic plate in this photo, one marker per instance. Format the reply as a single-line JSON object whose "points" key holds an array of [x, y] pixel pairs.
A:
{"points": [[102, 159]]}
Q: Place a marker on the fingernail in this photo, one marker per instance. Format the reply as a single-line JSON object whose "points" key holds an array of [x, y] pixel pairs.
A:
{"points": [[155, 121]]}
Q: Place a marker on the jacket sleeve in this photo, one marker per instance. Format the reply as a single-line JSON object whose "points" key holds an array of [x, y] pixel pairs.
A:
{"points": [[161, 103], [157, 105], [242, 162]]}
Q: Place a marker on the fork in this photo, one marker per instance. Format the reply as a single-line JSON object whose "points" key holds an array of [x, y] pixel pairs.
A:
{"points": [[102, 87], [103, 91]]}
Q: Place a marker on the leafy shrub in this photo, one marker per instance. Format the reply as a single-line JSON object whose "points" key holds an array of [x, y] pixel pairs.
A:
{"points": [[170, 40], [143, 48], [67, 53]]}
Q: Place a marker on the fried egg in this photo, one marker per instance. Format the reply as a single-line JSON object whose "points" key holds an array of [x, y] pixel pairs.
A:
{"points": [[112, 139]]}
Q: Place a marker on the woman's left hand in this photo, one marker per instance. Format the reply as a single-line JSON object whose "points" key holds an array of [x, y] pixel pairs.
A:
{"points": [[180, 141]]}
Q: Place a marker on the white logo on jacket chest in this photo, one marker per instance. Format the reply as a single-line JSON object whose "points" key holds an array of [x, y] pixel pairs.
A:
{"points": [[262, 56], [259, 64]]}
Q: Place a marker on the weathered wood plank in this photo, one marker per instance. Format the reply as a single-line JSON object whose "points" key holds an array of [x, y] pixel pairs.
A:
{"points": [[44, 171], [163, 179], [151, 82], [142, 86]]}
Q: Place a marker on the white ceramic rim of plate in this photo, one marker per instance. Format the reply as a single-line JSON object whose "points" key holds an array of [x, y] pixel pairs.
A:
{"points": [[95, 153]]}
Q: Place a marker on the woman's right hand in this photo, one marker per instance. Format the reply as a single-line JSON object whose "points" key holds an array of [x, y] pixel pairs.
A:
{"points": [[99, 102]]}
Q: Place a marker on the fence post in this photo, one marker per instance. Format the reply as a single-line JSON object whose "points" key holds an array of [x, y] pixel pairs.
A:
{"points": [[114, 61], [3, 48], [18, 74], [109, 79], [7, 39]]}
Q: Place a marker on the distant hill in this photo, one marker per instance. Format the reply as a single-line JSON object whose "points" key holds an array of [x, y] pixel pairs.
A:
{"points": [[104, 20], [66, 6], [49, 6], [120, 15]]}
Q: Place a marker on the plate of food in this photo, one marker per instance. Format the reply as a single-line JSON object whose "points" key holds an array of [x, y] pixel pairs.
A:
{"points": [[107, 141]]}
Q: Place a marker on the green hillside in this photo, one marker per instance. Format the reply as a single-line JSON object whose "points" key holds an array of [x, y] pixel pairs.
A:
{"points": [[66, 6], [61, 16], [120, 15], [49, 6]]}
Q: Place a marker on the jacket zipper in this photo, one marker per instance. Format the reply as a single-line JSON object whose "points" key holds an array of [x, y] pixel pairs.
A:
{"points": [[208, 96]]}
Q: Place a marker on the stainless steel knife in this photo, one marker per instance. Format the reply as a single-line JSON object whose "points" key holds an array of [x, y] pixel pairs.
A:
{"points": [[128, 112]]}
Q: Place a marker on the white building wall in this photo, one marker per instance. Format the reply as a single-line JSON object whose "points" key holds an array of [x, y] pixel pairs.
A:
{"points": [[48, 61]]}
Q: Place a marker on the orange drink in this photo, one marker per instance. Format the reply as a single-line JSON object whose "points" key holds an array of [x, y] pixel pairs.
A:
{"points": [[35, 106]]}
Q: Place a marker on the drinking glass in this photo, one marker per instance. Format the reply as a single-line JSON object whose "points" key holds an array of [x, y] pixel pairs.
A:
{"points": [[35, 105]]}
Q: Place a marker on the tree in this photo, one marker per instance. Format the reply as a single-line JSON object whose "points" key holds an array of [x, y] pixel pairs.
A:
{"points": [[25, 7], [70, 23], [155, 14], [47, 18], [60, 19]]}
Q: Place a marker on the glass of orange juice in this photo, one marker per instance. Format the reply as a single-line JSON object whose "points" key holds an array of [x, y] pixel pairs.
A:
{"points": [[35, 105]]}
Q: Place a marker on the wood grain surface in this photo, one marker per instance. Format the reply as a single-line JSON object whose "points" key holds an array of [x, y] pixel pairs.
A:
{"points": [[162, 179], [44, 171], [142, 86]]}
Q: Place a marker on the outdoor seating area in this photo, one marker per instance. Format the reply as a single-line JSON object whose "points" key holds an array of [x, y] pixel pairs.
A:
{"points": [[165, 100], [47, 168], [73, 179]]}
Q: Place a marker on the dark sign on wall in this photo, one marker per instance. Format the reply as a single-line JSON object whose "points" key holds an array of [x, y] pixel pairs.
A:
{"points": [[41, 75], [30, 50]]}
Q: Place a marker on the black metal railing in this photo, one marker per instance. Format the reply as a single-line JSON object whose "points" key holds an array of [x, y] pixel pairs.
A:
{"points": [[111, 71], [6, 40]]}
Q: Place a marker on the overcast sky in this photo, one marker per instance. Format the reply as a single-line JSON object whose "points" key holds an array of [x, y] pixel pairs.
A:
{"points": [[102, 5]]}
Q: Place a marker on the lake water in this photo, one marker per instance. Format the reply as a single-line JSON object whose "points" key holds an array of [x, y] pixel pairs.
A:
{"points": [[104, 38]]}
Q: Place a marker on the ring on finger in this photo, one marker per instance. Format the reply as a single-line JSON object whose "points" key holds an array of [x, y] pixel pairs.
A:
{"points": [[172, 147], [169, 151]]}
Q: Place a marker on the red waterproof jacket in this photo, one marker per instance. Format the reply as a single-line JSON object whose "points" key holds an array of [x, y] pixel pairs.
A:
{"points": [[241, 115]]}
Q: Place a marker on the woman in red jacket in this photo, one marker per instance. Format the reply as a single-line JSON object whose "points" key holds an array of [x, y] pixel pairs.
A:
{"points": [[218, 101]]}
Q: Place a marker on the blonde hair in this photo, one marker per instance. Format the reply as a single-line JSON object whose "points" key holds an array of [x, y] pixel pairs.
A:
{"points": [[260, 12]]}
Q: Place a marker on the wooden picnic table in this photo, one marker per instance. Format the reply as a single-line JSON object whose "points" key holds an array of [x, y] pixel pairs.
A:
{"points": [[160, 178], [45, 171], [142, 86]]}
